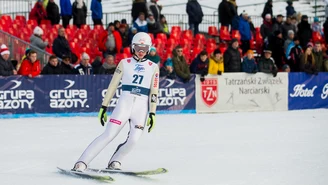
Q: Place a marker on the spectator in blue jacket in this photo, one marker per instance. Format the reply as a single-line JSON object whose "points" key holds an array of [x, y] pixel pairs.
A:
{"points": [[200, 64], [97, 13], [290, 11], [141, 24], [245, 32], [66, 11], [249, 65]]}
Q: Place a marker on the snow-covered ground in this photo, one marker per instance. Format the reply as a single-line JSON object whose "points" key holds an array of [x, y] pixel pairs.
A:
{"points": [[259, 148]]}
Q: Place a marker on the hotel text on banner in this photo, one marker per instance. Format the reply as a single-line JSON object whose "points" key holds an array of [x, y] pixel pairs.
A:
{"points": [[242, 92]]}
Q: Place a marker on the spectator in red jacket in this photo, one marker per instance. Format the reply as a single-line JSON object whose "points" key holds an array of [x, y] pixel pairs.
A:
{"points": [[38, 12], [30, 66], [110, 41]]}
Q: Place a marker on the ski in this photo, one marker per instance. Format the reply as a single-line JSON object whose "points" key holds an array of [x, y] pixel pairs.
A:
{"points": [[133, 173], [86, 175]]}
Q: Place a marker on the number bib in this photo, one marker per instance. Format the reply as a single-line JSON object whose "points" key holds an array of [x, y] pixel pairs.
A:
{"points": [[137, 76]]}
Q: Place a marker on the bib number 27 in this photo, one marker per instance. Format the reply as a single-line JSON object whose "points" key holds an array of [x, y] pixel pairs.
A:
{"points": [[137, 79]]}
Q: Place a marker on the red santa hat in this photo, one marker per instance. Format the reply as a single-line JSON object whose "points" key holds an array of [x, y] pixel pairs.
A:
{"points": [[4, 50]]}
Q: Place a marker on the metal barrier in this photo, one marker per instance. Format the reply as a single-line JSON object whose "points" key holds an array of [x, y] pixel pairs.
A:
{"points": [[9, 6], [172, 19], [17, 48]]}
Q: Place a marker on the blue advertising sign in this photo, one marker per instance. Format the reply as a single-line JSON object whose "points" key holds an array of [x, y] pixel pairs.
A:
{"points": [[75, 94], [307, 91]]}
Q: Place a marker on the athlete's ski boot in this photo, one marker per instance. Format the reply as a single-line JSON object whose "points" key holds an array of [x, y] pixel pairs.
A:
{"points": [[80, 166], [114, 165]]}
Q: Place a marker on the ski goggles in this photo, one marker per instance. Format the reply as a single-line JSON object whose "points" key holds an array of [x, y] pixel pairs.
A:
{"points": [[141, 47]]}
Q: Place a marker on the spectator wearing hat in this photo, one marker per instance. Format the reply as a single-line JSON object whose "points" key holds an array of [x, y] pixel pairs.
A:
{"points": [[108, 66], [132, 32], [289, 40], [124, 35], [97, 12], [6, 67], [267, 9], [31, 65], [290, 11], [27, 50], [79, 13], [66, 11], [154, 9], [53, 67], [38, 43], [195, 15], [180, 65], [266, 27], [141, 24], [308, 63], [293, 54], [66, 66], [318, 56], [304, 31], [53, 12], [316, 26], [84, 68], [249, 65], [164, 25], [286, 68], [277, 23], [60, 46], [127, 27], [200, 64], [286, 27], [232, 58], [110, 41], [154, 26], [38, 12], [167, 70], [267, 64], [245, 32], [152, 56], [139, 6], [216, 64], [123, 22], [277, 44]]}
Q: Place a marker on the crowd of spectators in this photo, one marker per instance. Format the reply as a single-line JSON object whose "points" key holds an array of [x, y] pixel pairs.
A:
{"points": [[287, 43]]}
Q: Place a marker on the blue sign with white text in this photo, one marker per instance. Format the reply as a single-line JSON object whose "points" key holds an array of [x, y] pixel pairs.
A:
{"points": [[307, 91], [81, 94]]}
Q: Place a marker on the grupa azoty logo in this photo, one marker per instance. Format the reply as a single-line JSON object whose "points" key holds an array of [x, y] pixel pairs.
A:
{"points": [[68, 97], [16, 99], [171, 96]]}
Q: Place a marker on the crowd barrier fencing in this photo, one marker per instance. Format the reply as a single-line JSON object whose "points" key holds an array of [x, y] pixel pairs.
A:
{"points": [[75, 95]]}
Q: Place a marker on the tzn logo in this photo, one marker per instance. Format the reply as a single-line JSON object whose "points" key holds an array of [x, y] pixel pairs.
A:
{"points": [[209, 91], [300, 91], [16, 99], [68, 98]]}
